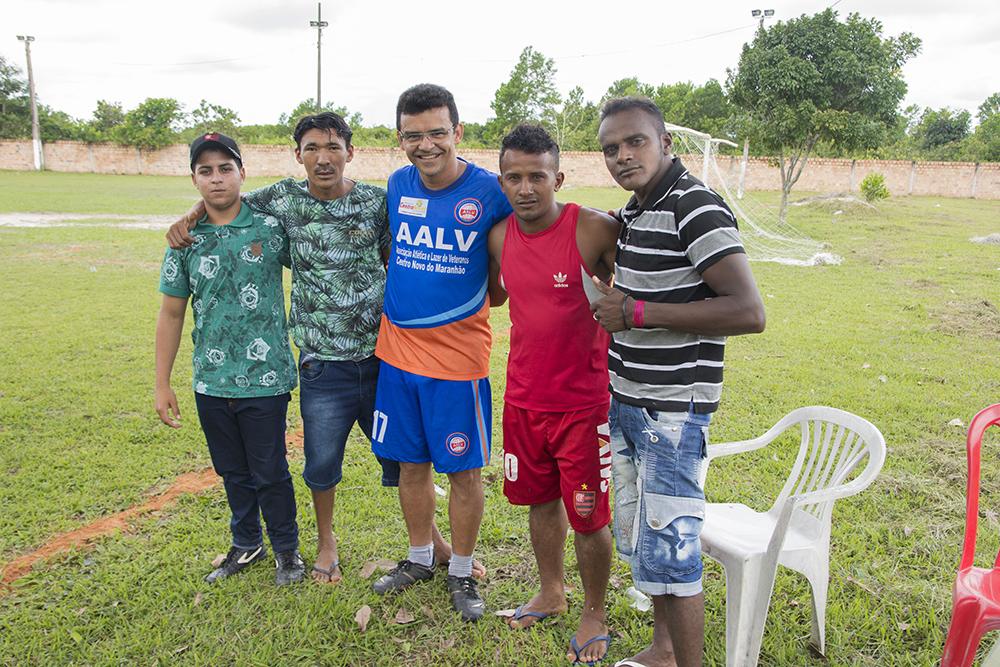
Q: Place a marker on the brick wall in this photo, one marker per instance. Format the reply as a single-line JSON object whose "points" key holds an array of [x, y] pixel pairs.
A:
{"points": [[903, 177]]}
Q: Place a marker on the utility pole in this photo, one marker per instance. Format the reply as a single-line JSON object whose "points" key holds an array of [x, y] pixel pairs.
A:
{"points": [[319, 24], [765, 14], [36, 137]]}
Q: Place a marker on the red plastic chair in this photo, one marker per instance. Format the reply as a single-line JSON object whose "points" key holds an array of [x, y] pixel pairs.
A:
{"points": [[976, 595]]}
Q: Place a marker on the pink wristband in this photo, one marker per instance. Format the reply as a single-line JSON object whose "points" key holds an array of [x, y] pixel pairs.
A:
{"points": [[638, 313]]}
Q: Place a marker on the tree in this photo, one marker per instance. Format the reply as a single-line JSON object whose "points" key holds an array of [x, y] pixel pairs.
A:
{"points": [[107, 116], [529, 95], [628, 87], [813, 79], [989, 108], [703, 108], [15, 113], [151, 125], [307, 107], [574, 126], [942, 126], [212, 118]]}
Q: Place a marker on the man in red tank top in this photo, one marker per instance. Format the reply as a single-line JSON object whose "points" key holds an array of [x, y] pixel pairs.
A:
{"points": [[557, 455]]}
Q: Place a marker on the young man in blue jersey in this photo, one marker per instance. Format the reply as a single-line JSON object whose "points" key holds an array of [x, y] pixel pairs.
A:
{"points": [[433, 402]]}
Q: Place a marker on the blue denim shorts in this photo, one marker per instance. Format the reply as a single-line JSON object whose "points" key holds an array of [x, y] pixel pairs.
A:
{"points": [[333, 395], [658, 459]]}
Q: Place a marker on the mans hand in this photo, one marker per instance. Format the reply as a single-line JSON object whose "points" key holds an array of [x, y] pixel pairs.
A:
{"points": [[166, 407], [178, 236], [608, 310]]}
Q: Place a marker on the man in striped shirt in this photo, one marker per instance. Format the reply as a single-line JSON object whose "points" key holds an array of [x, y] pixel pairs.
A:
{"points": [[682, 284]]}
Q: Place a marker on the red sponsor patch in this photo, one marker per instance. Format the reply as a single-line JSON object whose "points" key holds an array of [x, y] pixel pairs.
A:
{"points": [[584, 502]]}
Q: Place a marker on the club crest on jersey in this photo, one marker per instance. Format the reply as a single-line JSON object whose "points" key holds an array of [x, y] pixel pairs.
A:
{"points": [[468, 211], [584, 501], [457, 444]]}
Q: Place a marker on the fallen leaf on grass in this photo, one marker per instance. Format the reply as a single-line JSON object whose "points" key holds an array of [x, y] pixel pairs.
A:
{"points": [[793, 603], [448, 643], [505, 613], [866, 365], [362, 617], [403, 617], [386, 564], [956, 422], [904, 626], [568, 589], [181, 649], [883, 379], [368, 569], [217, 561], [427, 611], [907, 531], [197, 599]]}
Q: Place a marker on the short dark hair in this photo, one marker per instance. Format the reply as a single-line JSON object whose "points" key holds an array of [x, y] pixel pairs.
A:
{"points": [[424, 97], [638, 102], [326, 120], [530, 139]]}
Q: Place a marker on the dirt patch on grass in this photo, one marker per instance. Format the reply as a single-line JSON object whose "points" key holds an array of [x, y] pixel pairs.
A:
{"points": [[188, 483], [976, 319]]}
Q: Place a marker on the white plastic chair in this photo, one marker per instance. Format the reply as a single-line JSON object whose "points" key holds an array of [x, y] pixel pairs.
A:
{"points": [[795, 532]]}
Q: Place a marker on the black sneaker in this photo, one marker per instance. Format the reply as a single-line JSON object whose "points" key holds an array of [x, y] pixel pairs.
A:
{"points": [[290, 568], [236, 561], [402, 577], [465, 597]]}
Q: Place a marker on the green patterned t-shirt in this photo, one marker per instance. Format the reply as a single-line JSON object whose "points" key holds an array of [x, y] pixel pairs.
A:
{"points": [[233, 275], [338, 276]]}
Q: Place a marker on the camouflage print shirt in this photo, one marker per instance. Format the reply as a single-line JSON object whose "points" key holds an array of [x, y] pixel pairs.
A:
{"points": [[233, 275], [338, 276]]}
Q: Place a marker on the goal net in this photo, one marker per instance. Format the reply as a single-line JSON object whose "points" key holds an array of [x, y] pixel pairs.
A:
{"points": [[765, 237]]}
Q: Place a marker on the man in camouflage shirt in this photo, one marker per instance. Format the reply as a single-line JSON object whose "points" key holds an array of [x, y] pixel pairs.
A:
{"points": [[243, 366], [338, 232]]}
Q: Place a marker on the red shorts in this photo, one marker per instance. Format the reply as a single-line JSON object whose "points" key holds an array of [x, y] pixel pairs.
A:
{"points": [[548, 455]]}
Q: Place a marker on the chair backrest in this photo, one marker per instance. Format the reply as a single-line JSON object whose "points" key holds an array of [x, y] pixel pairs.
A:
{"points": [[832, 445], [973, 443]]}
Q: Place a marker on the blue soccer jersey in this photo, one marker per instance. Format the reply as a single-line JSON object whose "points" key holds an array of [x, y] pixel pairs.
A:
{"points": [[436, 317]]}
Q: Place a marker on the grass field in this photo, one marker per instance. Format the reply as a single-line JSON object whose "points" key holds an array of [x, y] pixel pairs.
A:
{"points": [[905, 332]]}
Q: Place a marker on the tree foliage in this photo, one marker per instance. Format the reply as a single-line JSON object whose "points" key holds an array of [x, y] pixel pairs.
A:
{"points": [[15, 113], [942, 126], [816, 78], [529, 95], [210, 117], [153, 124]]}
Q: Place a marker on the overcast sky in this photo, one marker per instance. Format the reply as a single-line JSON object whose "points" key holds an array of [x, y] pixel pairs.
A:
{"points": [[259, 57]]}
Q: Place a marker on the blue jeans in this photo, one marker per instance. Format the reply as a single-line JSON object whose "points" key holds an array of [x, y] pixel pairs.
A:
{"points": [[657, 464], [246, 439], [333, 396]]}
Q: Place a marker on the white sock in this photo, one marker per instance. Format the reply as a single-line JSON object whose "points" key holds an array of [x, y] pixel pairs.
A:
{"points": [[422, 555], [460, 566]]}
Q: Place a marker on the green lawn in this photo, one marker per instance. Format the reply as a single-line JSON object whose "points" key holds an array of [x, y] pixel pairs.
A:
{"points": [[904, 332]]}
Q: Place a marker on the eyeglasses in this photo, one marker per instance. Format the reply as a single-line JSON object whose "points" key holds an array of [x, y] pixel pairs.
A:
{"points": [[436, 136]]}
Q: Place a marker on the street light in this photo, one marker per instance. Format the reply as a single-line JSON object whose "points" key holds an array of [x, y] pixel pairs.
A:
{"points": [[762, 14], [36, 139]]}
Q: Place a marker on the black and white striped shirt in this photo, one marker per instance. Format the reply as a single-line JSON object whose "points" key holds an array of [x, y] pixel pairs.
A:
{"points": [[663, 248]]}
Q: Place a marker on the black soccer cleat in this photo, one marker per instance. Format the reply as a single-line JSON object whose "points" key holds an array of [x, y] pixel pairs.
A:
{"points": [[402, 577], [465, 597], [236, 561], [289, 567]]}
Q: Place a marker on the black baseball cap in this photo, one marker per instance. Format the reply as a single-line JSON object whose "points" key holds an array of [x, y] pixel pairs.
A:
{"points": [[217, 141]]}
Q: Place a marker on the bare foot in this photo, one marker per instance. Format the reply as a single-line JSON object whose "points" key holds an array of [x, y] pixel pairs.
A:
{"points": [[325, 571], [540, 604], [652, 657], [442, 556], [591, 625]]}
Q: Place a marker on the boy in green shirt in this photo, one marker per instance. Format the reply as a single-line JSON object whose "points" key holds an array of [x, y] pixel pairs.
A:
{"points": [[243, 367]]}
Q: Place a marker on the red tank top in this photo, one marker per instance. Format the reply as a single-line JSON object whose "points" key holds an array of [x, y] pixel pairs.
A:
{"points": [[558, 358]]}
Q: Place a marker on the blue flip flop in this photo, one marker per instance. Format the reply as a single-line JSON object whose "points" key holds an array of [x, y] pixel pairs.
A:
{"points": [[521, 612], [577, 648]]}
